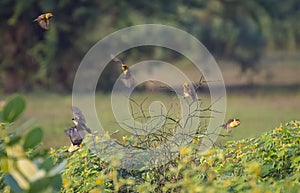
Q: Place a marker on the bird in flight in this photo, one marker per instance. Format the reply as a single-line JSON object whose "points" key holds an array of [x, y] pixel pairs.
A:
{"points": [[79, 120], [127, 78], [188, 92], [43, 20], [231, 123], [77, 133]]}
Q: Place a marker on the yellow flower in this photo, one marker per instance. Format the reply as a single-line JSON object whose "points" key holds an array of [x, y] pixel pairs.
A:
{"points": [[66, 182], [209, 152], [52, 152], [124, 138], [227, 183], [256, 190], [95, 191], [97, 139], [99, 181], [195, 140], [254, 169], [296, 123], [185, 150], [240, 145]]}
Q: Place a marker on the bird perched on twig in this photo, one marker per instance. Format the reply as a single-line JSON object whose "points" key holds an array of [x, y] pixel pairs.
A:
{"points": [[231, 123], [188, 92], [127, 79], [76, 133], [43, 20]]}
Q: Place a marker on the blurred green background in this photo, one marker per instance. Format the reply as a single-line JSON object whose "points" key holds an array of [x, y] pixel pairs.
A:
{"points": [[255, 43]]}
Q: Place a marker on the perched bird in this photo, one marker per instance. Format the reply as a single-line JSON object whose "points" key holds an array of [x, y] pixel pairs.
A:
{"points": [[127, 79], [76, 133], [76, 137], [187, 91], [43, 20], [79, 120], [231, 123]]}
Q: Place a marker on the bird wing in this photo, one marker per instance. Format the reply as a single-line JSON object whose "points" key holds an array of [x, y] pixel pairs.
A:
{"points": [[185, 91], [128, 82], [78, 116], [80, 119], [43, 24], [76, 136], [192, 93], [127, 79], [115, 59]]}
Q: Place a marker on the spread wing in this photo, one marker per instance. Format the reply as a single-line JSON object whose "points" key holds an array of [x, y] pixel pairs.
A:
{"points": [[76, 136], [44, 23], [78, 116], [115, 59], [80, 119]]}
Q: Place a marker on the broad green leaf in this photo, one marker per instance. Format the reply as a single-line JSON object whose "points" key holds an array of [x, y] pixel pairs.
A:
{"points": [[13, 109], [265, 170], [33, 138], [4, 164], [25, 125], [39, 185], [47, 164], [56, 183], [9, 180]]}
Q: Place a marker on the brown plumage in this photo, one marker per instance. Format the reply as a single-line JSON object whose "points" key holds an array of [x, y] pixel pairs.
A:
{"points": [[231, 123], [127, 78], [43, 20], [187, 91]]}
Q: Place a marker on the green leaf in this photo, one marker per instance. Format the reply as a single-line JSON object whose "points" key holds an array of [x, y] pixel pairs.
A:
{"points": [[33, 138], [56, 183], [47, 164], [39, 185], [13, 109], [265, 170], [10, 181]]}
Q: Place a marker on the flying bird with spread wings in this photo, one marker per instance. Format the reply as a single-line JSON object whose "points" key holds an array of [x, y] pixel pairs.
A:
{"points": [[79, 120], [43, 20], [127, 78], [231, 123]]}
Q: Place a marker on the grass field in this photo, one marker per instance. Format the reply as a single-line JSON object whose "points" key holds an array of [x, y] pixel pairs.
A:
{"points": [[258, 112]]}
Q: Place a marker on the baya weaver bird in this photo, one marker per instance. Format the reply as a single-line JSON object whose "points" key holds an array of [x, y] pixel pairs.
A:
{"points": [[127, 77], [76, 133], [76, 137], [231, 123], [79, 120], [43, 20], [188, 92]]}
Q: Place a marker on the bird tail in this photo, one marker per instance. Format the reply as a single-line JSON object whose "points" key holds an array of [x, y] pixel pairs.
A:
{"points": [[224, 126]]}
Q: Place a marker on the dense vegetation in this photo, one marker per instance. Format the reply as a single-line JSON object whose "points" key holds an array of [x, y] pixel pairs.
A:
{"points": [[34, 58], [269, 163]]}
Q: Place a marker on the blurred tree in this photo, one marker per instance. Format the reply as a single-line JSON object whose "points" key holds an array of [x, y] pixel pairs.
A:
{"points": [[32, 57]]}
